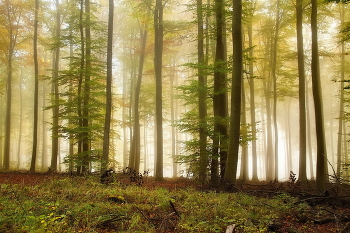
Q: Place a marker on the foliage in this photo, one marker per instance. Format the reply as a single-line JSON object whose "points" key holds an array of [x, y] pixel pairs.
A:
{"points": [[82, 204]]}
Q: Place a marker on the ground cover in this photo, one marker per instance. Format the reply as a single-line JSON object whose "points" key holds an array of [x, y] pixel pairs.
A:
{"points": [[62, 203]]}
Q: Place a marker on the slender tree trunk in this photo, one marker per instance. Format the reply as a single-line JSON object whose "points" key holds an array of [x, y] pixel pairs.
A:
{"points": [[173, 113], [136, 141], [317, 93], [308, 132], [36, 89], [80, 87], [19, 147], [236, 88], [302, 112], [274, 76], [252, 104], [220, 92], [202, 106], [133, 77], [86, 94], [341, 104], [244, 176], [267, 83], [158, 26], [124, 118], [44, 131], [55, 109], [107, 126], [7, 137]]}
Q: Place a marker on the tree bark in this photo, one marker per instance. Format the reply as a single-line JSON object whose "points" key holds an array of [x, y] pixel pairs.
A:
{"points": [[302, 112], [36, 89], [55, 109], [317, 93], [251, 81], [202, 106], [236, 88], [158, 46], [136, 141], [220, 94], [341, 104], [108, 115]]}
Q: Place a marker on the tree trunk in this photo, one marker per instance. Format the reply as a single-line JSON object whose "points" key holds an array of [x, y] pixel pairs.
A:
{"points": [[202, 106], [274, 77], [317, 93], [86, 95], [220, 92], [244, 176], [11, 48], [55, 92], [341, 104], [302, 112], [136, 141], [252, 104], [36, 89], [158, 46], [107, 126], [173, 118], [20, 130], [236, 88]]}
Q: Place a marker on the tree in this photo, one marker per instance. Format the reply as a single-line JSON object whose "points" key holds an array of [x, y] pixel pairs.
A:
{"points": [[317, 95], [341, 104], [274, 77], [302, 109], [251, 81], [136, 140], [158, 51], [220, 96], [55, 91], [107, 125], [36, 88], [236, 88], [202, 106]]}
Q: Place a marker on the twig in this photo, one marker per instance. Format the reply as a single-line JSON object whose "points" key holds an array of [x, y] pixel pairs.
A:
{"points": [[173, 207]]}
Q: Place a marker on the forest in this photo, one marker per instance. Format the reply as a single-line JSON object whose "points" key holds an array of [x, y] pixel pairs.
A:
{"points": [[216, 91]]}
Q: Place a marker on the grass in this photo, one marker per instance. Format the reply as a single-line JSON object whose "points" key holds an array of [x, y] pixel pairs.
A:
{"points": [[82, 204]]}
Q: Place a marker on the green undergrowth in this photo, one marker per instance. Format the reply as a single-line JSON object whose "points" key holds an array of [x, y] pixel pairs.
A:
{"points": [[82, 204]]}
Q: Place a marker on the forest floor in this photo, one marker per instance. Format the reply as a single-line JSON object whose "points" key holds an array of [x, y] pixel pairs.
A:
{"points": [[326, 212]]}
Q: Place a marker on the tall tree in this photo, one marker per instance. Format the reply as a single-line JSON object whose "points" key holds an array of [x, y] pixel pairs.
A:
{"points": [[136, 140], [302, 108], [86, 137], [274, 77], [220, 96], [158, 51], [236, 88], [251, 81], [341, 104], [108, 115], [55, 91], [202, 106], [317, 95], [36, 89]]}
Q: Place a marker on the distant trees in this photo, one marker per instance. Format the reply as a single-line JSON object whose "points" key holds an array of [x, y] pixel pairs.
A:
{"points": [[11, 15]]}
